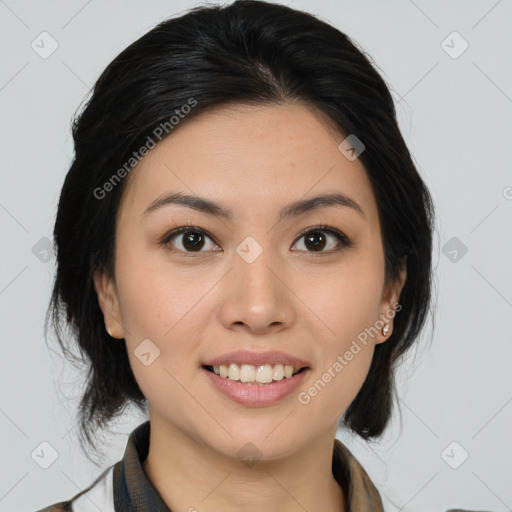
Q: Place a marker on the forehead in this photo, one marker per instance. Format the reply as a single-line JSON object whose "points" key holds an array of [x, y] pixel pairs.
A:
{"points": [[246, 156]]}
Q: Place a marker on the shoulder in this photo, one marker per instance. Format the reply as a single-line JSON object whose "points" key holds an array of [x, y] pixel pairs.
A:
{"points": [[62, 506], [100, 493], [362, 494]]}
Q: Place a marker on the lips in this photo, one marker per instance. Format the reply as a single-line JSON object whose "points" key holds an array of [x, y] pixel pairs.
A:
{"points": [[272, 358], [253, 394], [237, 376]]}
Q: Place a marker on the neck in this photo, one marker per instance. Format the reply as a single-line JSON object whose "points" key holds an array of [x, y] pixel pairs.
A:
{"points": [[192, 476]]}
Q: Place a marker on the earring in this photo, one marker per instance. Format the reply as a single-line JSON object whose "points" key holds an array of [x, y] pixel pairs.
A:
{"points": [[385, 330], [109, 333]]}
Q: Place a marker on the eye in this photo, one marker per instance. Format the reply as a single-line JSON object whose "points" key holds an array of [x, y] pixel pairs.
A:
{"points": [[192, 239], [315, 239]]}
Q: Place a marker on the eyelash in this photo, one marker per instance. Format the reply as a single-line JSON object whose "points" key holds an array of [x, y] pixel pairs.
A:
{"points": [[343, 240]]}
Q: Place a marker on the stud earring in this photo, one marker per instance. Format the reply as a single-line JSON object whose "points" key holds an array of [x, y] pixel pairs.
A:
{"points": [[385, 330]]}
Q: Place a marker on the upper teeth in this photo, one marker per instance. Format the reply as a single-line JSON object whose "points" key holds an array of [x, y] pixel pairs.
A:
{"points": [[262, 374]]}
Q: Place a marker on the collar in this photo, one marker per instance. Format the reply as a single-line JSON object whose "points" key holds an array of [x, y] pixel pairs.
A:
{"points": [[133, 491]]}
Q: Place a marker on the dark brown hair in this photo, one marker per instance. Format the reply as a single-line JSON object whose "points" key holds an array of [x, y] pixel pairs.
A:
{"points": [[247, 52]]}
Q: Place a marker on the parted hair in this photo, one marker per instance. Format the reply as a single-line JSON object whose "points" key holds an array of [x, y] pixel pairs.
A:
{"points": [[248, 52]]}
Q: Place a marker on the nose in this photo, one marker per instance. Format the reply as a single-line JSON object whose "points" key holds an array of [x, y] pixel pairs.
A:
{"points": [[256, 296]]}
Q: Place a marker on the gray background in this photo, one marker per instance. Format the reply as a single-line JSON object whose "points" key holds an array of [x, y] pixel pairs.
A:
{"points": [[455, 114]]}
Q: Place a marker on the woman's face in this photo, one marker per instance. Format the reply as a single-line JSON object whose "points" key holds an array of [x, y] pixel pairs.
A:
{"points": [[251, 282]]}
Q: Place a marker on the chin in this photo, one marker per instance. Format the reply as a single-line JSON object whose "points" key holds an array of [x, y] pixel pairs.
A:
{"points": [[261, 441]]}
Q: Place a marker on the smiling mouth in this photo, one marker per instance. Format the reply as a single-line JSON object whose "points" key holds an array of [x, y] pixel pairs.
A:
{"points": [[255, 375]]}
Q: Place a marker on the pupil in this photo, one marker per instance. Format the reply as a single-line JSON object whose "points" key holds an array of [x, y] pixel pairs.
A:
{"points": [[310, 240], [195, 240]]}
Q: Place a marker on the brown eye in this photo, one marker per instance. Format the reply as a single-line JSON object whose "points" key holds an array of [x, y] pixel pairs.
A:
{"points": [[191, 239], [316, 239]]}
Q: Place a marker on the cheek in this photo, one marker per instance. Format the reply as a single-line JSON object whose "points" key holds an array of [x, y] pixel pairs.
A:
{"points": [[347, 299], [338, 379], [161, 316], [157, 300], [348, 305], [162, 340]]}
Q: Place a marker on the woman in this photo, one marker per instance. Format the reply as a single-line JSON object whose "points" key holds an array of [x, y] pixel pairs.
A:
{"points": [[244, 248]]}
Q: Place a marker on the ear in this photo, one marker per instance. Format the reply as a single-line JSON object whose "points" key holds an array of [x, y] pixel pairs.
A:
{"points": [[109, 304], [390, 297]]}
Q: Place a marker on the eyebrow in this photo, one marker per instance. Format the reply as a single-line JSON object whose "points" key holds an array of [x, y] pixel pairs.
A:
{"points": [[203, 205]]}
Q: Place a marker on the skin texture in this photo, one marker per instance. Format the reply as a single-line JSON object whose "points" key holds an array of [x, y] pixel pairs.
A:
{"points": [[253, 160]]}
